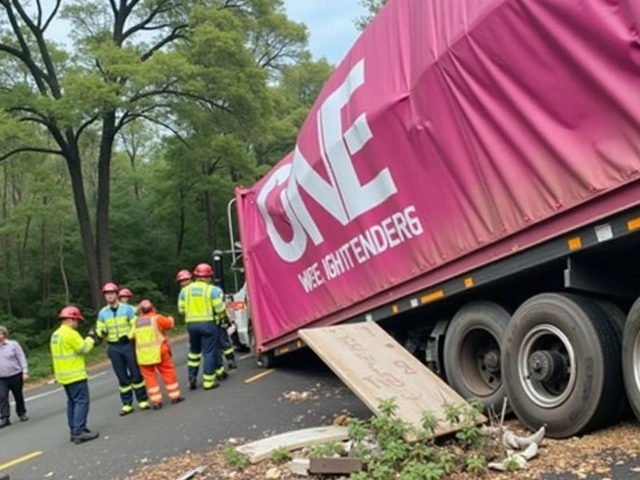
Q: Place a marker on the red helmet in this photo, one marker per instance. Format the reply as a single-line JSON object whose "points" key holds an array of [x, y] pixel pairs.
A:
{"points": [[203, 270], [109, 287], [70, 313], [125, 292], [183, 275], [146, 306]]}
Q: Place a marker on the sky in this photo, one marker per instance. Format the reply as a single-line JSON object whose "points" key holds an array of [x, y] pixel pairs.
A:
{"points": [[330, 25]]}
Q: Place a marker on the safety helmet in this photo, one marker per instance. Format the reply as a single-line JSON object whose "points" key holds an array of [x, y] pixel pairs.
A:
{"points": [[109, 287], [72, 313], [203, 270], [183, 275], [145, 306], [125, 292]]}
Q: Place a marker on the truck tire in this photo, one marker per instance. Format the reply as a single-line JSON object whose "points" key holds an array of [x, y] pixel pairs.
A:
{"points": [[560, 364], [472, 349], [262, 360], [631, 357], [617, 317]]}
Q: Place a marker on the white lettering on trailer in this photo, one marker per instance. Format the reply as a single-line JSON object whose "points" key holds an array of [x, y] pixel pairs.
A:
{"points": [[342, 196], [397, 228]]}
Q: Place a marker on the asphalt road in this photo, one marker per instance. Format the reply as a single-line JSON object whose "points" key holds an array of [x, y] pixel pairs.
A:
{"points": [[247, 404]]}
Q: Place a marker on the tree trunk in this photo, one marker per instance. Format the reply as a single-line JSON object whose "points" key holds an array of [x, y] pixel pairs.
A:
{"points": [[84, 222], [104, 177]]}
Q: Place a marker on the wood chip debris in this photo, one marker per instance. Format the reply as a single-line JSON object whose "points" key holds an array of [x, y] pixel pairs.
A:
{"points": [[581, 458]]}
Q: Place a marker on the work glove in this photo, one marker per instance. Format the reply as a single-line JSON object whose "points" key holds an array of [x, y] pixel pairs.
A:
{"points": [[124, 339], [96, 339]]}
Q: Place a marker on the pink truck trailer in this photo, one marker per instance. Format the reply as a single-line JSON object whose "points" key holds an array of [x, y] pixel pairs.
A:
{"points": [[469, 178]]}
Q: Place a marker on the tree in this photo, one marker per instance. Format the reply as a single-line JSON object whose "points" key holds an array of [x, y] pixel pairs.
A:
{"points": [[372, 8], [133, 61]]}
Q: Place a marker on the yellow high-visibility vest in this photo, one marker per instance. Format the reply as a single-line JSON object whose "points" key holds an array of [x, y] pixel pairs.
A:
{"points": [[68, 349], [114, 325], [201, 302], [148, 341]]}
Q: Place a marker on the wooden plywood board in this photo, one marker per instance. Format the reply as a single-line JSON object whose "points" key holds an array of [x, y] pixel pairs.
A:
{"points": [[262, 449], [376, 367]]}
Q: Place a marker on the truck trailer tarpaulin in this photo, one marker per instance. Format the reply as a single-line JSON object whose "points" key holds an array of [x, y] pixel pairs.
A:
{"points": [[451, 134]]}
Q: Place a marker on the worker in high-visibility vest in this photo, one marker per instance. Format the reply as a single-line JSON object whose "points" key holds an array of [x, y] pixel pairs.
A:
{"points": [[68, 350], [125, 296], [153, 352], [203, 307], [115, 322], [183, 277]]}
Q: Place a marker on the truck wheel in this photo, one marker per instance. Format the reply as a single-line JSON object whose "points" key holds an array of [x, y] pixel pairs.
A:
{"points": [[631, 357], [472, 349], [617, 317], [262, 360], [560, 364]]}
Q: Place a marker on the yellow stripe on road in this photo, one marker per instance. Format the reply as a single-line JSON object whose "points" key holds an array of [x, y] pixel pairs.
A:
{"points": [[259, 376], [24, 458]]}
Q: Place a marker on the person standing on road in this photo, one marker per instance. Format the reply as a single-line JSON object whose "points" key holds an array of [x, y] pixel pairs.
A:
{"points": [[68, 350], [125, 295], [14, 371], [153, 352], [203, 306], [183, 277], [115, 322]]}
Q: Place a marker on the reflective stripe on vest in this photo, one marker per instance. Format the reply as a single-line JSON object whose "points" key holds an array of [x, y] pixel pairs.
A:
{"points": [[115, 326], [68, 365], [198, 306], [148, 341]]}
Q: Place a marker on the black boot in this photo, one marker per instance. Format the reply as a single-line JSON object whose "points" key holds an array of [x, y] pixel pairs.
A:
{"points": [[193, 384], [85, 437], [4, 423]]}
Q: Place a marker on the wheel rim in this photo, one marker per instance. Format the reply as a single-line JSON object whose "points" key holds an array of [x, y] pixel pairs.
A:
{"points": [[546, 366], [480, 362]]}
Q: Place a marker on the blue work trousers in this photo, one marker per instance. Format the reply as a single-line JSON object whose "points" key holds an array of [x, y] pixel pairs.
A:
{"points": [[123, 361], [77, 406], [204, 343], [225, 344]]}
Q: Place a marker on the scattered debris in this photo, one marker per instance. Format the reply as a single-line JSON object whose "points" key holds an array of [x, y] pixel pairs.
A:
{"points": [[339, 465], [273, 473], [294, 396], [191, 473], [300, 466], [263, 449]]}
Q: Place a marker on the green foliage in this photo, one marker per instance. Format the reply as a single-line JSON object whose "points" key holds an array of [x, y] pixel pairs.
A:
{"points": [[234, 458], [280, 455], [372, 7], [327, 449], [419, 457], [476, 463], [205, 97]]}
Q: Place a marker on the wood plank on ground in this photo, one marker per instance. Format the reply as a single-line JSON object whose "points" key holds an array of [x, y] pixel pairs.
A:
{"points": [[338, 465], [376, 367], [262, 449]]}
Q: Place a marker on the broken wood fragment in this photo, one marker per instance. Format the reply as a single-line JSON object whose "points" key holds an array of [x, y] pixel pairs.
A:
{"points": [[335, 465], [264, 448]]}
